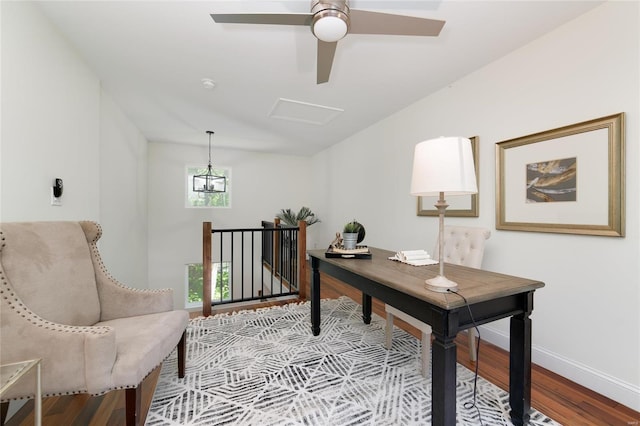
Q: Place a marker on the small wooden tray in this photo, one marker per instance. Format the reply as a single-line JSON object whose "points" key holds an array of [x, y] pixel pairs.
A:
{"points": [[361, 252]]}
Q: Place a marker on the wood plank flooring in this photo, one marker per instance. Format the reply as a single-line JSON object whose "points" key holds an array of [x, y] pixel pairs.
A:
{"points": [[564, 401]]}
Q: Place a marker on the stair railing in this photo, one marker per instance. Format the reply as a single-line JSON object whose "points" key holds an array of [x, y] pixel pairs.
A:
{"points": [[253, 263]]}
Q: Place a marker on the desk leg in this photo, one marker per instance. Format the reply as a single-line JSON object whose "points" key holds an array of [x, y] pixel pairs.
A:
{"points": [[315, 297], [520, 366], [366, 308], [443, 383]]}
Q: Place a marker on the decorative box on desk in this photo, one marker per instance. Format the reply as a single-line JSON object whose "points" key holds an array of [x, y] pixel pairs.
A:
{"points": [[360, 252]]}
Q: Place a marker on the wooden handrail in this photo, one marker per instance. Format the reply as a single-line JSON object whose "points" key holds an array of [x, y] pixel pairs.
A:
{"points": [[206, 268], [302, 259]]}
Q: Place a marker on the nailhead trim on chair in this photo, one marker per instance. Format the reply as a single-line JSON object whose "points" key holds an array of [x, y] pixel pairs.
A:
{"points": [[14, 302], [7, 293], [45, 395]]}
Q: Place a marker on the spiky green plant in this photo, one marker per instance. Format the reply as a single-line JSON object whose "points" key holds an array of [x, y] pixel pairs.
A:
{"points": [[355, 227], [351, 227], [290, 218]]}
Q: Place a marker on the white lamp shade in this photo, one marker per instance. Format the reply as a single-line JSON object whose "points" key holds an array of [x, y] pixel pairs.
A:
{"points": [[443, 165], [330, 28]]}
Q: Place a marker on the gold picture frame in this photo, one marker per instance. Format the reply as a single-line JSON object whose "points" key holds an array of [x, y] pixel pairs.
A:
{"points": [[460, 205], [536, 174]]}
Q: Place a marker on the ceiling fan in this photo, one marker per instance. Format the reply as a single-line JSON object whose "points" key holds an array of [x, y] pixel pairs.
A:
{"points": [[331, 20]]}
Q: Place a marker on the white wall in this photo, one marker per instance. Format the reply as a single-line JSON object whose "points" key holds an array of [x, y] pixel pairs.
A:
{"points": [[261, 185], [123, 195], [50, 121], [586, 321], [57, 122]]}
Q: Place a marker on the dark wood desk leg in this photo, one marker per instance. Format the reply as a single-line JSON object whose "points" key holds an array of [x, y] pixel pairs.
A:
{"points": [[520, 364], [366, 308], [443, 383], [315, 297]]}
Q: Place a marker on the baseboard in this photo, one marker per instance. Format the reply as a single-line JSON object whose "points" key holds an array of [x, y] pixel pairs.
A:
{"points": [[622, 392]]}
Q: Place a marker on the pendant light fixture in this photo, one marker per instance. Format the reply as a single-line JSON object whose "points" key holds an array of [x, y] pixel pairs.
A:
{"points": [[209, 183]]}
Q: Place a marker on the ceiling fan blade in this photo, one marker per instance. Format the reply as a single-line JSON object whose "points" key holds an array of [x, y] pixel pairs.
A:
{"points": [[365, 22], [263, 18], [326, 51]]}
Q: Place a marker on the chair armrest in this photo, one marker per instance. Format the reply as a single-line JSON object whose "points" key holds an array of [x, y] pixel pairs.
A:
{"points": [[75, 359], [116, 299]]}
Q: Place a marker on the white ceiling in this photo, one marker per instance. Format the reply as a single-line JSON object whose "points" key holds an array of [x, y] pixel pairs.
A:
{"points": [[151, 58]]}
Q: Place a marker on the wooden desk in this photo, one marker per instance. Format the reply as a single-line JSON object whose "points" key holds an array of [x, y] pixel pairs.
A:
{"points": [[491, 296]]}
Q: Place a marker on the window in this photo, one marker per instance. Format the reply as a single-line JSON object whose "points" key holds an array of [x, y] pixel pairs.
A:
{"points": [[201, 199], [219, 283]]}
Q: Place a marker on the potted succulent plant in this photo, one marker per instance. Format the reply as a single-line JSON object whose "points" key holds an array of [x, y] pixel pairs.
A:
{"points": [[352, 234]]}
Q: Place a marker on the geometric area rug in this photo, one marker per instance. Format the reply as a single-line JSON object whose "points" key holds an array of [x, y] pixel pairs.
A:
{"points": [[265, 367]]}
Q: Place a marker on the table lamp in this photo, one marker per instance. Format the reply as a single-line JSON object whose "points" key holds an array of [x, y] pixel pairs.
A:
{"points": [[443, 165]]}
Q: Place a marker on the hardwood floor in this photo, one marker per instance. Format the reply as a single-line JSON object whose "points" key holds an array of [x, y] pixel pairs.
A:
{"points": [[84, 410], [564, 401]]}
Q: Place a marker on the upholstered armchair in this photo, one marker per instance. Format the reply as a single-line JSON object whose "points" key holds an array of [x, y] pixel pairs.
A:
{"points": [[463, 245], [93, 334]]}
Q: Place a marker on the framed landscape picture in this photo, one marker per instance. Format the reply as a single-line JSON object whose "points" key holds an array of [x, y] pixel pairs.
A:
{"points": [[459, 205], [567, 180]]}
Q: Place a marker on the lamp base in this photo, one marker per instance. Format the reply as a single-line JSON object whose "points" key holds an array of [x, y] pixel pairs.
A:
{"points": [[440, 284]]}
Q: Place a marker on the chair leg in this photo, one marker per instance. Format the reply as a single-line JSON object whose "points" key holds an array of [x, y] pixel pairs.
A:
{"points": [[388, 331], [132, 404], [426, 354], [473, 349], [182, 350]]}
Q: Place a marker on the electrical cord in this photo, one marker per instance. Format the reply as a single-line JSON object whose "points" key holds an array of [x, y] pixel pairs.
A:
{"points": [[472, 404]]}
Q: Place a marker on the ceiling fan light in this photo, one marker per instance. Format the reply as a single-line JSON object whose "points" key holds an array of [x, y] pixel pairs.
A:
{"points": [[330, 28]]}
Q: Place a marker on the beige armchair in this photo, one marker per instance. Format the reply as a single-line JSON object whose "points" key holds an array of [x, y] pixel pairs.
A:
{"points": [[463, 245], [59, 303]]}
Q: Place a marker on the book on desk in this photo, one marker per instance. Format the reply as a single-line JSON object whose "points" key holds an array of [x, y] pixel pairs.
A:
{"points": [[414, 257]]}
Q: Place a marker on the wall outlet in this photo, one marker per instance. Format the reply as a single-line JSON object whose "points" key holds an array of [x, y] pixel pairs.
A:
{"points": [[55, 201]]}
